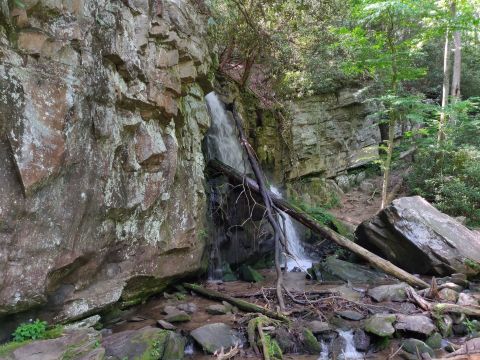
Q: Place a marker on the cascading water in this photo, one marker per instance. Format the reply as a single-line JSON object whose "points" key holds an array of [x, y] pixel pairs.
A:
{"points": [[222, 144], [222, 141], [300, 260], [349, 352]]}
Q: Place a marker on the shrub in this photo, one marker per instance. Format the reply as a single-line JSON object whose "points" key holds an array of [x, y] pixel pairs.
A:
{"points": [[30, 331], [449, 177]]}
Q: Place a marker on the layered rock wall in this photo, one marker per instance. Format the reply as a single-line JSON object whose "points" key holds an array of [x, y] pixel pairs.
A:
{"points": [[101, 171]]}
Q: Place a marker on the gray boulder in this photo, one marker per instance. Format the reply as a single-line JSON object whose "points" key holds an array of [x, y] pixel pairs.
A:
{"points": [[415, 236], [415, 323], [148, 341], [213, 337], [380, 324], [395, 292]]}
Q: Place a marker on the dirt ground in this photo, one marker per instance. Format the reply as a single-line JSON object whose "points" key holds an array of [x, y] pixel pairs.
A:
{"points": [[357, 206]]}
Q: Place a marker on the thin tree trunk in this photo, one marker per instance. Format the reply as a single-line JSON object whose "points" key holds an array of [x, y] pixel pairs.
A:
{"points": [[315, 226], [445, 87], [457, 59], [388, 161], [272, 218]]}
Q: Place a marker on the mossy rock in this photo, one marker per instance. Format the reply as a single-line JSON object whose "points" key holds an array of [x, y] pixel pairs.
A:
{"points": [[228, 274], [247, 273], [145, 344], [434, 341], [414, 346], [310, 342]]}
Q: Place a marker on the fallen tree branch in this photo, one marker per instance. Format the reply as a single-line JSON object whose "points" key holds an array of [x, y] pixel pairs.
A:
{"points": [[241, 304], [442, 307], [321, 229], [278, 235]]}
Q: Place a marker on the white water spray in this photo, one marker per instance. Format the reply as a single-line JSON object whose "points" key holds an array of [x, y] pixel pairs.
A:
{"points": [[222, 140], [349, 353], [300, 260]]}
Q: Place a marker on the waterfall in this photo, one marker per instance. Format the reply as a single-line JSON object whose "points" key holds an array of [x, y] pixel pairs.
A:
{"points": [[222, 144], [222, 140], [349, 352], [301, 260]]}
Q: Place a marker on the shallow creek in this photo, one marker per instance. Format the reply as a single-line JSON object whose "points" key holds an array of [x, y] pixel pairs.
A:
{"points": [[148, 314]]}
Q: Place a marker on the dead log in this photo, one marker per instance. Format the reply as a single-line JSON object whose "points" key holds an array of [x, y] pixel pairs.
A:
{"points": [[442, 307], [279, 238], [241, 304], [305, 219]]}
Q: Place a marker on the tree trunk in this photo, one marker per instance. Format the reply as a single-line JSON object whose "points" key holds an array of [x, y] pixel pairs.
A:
{"points": [[323, 230], [267, 200], [241, 304], [445, 87], [388, 161], [457, 59]]}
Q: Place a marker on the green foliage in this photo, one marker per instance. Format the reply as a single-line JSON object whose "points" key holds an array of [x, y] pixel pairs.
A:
{"points": [[274, 350], [322, 216], [449, 177], [30, 331], [471, 326]]}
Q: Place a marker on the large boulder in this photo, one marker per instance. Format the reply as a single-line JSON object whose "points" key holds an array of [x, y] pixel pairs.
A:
{"points": [[415, 236], [101, 168], [213, 337]]}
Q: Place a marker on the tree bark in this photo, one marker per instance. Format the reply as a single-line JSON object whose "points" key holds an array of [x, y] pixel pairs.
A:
{"points": [[457, 59], [323, 230], [241, 304], [445, 87], [267, 200]]}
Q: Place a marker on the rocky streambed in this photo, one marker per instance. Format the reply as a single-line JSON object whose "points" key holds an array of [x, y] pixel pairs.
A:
{"points": [[330, 320]]}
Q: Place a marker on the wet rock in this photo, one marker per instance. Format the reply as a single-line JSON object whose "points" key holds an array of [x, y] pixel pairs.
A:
{"points": [[177, 316], [347, 271], [189, 308], [285, 340], [380, 324], [465, 299], [448, 295], [415, 323], [133, 344], [310, 343], [350, 315], [166, 325], [361, 340], [337, 347], [216, 309], [414, 346], [395, 292], [318, 327], [75, 343], [247, 273], [434, 341], [213, 337], [414, 235]]}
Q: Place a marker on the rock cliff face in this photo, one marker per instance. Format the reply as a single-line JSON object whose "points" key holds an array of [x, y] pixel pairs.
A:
{"points": [[101, 171]]}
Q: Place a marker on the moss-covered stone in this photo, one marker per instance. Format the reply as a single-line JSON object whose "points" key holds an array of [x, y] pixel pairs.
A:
{"points": [[414, 346], [310, 342], [434, 341], [274, 350], [380, 324], [247, 273]]}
